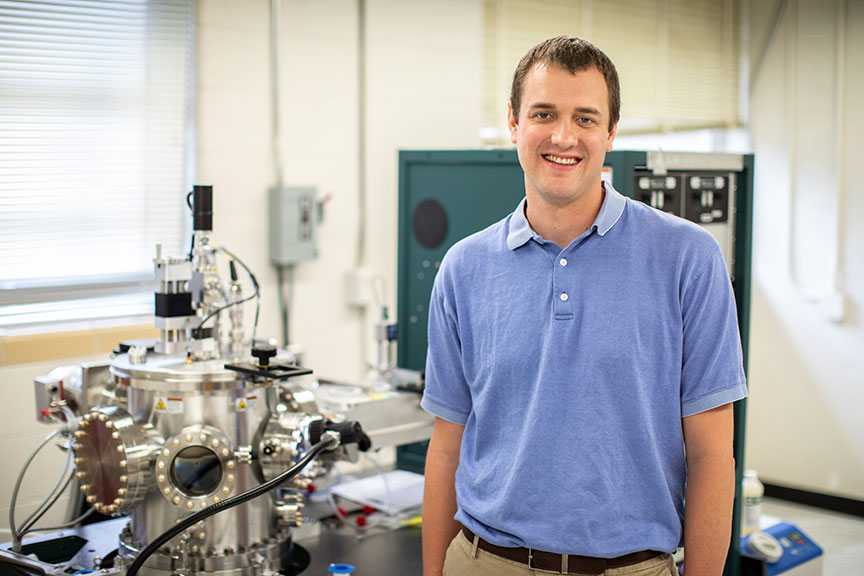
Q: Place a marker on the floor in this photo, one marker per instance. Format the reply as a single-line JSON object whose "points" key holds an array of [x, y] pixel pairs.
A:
{"points": [[840, 536]]}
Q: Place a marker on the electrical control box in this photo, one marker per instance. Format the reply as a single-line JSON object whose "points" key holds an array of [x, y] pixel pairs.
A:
{"points": [[293, 214], [700, 187]]}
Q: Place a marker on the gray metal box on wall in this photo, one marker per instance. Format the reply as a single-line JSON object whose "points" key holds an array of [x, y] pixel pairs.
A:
{"points": [[293, 225]]}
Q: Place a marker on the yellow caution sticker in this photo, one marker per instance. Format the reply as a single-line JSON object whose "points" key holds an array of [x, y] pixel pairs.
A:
{"points": [[240, 405], [168, 404]]}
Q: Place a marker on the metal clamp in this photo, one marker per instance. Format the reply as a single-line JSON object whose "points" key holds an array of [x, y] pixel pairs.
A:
{"points": [[243, 454]]}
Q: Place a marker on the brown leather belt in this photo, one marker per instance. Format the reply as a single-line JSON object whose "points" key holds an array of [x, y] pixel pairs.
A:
{"points": [[561, 563]]}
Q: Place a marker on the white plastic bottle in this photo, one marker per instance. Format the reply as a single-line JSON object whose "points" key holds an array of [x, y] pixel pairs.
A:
{"points": [[752, 491]]}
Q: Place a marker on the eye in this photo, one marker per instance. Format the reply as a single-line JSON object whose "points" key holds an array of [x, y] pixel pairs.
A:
{"points": [[585, 120], [543, 115]]}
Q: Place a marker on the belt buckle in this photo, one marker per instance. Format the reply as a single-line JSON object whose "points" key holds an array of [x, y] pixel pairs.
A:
{"points": [[564, 562]]}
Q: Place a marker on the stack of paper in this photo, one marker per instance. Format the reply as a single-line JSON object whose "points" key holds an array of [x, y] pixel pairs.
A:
{"points": [[392, 493]]}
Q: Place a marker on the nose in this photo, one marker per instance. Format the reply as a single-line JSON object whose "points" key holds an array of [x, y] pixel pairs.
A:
{"points": [[564, 134]]}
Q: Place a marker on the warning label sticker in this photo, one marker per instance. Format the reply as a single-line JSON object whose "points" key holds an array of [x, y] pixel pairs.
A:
{"points": [[242, 404], [168, 404]]}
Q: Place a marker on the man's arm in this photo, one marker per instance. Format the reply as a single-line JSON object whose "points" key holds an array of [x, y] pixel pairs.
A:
{"points": [[439, 495], [710, 490]]}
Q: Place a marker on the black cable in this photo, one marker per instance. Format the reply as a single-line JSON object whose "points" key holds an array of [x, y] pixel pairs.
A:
{"points": [[237, 303], [16, 540], [69, 524], [326, 443], [28, 526]]}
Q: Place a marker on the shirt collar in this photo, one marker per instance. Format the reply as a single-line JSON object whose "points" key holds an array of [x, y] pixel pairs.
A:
{"points": [[610, 213]]}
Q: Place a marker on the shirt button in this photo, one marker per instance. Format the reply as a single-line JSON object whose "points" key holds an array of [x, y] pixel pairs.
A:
{"points": [[563, 261], [564, 296]]}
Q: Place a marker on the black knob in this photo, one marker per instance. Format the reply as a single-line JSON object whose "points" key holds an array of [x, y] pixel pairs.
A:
{"points": [[264, 353]]}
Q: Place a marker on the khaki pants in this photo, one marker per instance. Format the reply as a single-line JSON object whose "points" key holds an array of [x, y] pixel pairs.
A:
{"points": [[463, 559]]}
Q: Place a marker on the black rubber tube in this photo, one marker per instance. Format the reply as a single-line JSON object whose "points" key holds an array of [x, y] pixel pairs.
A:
{"points": [[326, 443]]}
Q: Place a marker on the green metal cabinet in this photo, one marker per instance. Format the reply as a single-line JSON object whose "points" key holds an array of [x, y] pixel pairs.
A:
{"points": [[445, 196]]}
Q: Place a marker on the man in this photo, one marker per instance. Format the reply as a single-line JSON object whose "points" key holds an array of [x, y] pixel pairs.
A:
{"points": [[574, 347]]}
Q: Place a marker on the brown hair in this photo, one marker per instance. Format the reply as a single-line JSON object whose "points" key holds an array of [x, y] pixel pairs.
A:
{"points": [[575, 55]]}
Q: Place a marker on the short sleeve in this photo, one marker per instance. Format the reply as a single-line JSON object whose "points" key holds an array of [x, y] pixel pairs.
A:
{"points": [[447, 394], [712, 372]]}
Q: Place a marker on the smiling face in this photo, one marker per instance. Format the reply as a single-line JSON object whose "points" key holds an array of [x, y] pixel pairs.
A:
{"points": [[562, 135]]}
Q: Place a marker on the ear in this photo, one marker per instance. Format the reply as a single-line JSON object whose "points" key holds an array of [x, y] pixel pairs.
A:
{"points": [[611, 137], [512, 124]]}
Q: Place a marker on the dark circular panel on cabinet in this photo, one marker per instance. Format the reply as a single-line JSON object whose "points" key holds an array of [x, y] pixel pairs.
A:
{"points": [[429, 223]]}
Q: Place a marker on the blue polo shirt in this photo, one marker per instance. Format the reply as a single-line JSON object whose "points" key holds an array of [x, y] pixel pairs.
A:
{"points": [[571, 371]]}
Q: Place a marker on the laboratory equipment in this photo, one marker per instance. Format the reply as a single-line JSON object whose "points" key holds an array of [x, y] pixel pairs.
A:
{"points": [[183, 434], [782, 548], [753, 491]]}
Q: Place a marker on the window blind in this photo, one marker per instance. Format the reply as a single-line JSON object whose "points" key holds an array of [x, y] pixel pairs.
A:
{"points": [[95, 101], [677, 59]]}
